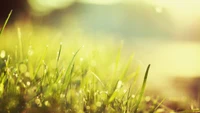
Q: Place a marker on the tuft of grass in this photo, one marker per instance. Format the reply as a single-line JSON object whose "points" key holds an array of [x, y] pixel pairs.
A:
{"points": [[92, 80]]}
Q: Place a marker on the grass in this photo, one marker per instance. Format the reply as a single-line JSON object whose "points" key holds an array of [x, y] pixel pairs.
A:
{"points": [[2, 29], [37, 75], [31, 85]]}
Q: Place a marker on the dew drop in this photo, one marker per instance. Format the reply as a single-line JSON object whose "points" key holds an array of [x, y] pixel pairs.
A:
{"points": [[3, 54], [22, 68]]}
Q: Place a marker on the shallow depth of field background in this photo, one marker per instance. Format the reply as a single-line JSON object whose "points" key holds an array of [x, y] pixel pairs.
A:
{"points": [[163, 33]]}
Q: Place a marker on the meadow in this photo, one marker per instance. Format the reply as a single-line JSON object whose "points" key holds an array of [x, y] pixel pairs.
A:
{"points": [[45, 71]]}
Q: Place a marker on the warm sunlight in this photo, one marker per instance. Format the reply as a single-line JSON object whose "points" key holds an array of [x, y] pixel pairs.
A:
{"points": [[46, 6], [182, 10], [102, 2], [99, 56], [178, 59]]}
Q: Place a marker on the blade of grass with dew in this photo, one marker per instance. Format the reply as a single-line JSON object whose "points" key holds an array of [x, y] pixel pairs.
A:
{"points": [[67, 74], [97, 78], [133, 77], [115, 91], [16, 52], [42, 84], [40, 63], [58, 58], [3, 79], [118, 58], [20, 44], [59, 52], [68, 68], [126, 67], [7, 61], [70, 77], [70, 64], [30, 60], [112, 93], [5, 23], [142, 89], [128, 99]]}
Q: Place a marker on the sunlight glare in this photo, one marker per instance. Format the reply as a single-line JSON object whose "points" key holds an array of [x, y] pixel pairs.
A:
{"points": [[181, 10], [46, 6], [178, 59], [102, 2]]}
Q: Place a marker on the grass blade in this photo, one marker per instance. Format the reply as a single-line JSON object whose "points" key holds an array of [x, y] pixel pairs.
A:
{"points": [[5, 23], [142, 89], [40, 63], [20, 44], [115, 91], [59, 52], [98, 78], [67, 74], [118, 58], [57, 59], [154, 110], [70, 64], [126, 67]]}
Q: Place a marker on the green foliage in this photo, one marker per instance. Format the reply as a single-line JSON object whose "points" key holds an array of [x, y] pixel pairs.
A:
{"points": [[142, 89], [72, 86]]}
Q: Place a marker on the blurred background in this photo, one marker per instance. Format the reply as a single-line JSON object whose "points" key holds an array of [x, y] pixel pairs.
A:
{"points": [[164, 33]]}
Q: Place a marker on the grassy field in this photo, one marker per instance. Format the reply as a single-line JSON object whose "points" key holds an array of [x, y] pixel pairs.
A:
{"points": [[43, 71]]}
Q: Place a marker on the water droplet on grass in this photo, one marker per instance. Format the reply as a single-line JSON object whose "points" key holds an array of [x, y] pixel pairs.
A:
{"points": [[3, 54], [120, 84], [28, 83], [22, 68], [38, 102], [147, 98], [46, 103], [30, 51], [62, 95], [88, 107], [98, 104], [133, 96], [160, 110]]}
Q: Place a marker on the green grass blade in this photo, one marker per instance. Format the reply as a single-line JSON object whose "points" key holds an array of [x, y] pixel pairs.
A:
{"points": [[115, 91], [154, 110], [142, 89], [5, 23], [97, 78], [40, 63], [126, 67], [20, 44], [57, 59], [70, 64], [68, 73], [59, 52], [118, 58], [3, 79]]}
